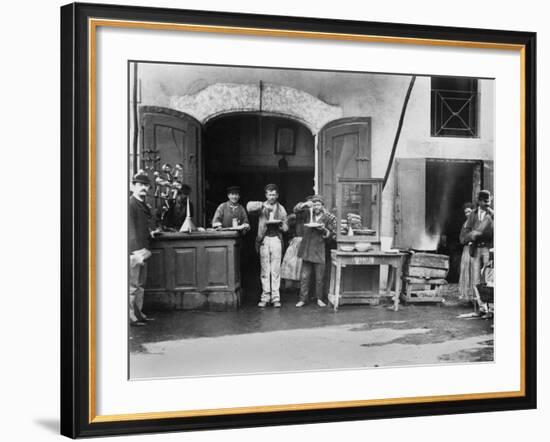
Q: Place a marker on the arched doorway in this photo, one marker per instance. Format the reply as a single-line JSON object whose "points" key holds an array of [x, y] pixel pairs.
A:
{"points": [[241, 149], [251, 150]]}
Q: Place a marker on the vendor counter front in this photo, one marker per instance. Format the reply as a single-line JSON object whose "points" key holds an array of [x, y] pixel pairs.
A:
{"points": [[198, 270]]}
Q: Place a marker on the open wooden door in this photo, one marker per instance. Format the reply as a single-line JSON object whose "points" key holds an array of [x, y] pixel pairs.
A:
{"points": [[344, 150], [410, 201], [488, 178], [177, 138]]}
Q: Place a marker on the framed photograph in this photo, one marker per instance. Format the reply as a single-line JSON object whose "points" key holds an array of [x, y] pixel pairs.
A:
{"points": [[273, 220], [284, 143]]}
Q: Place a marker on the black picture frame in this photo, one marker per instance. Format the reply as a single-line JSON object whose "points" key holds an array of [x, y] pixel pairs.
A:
{"points": [[285, 141], [77, 250]]}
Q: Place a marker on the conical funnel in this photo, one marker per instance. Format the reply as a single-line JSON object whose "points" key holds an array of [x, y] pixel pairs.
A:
{"points": [[188, 226]]}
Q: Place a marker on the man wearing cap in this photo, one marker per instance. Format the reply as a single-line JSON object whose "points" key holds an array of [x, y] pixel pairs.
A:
{"points": [[140, 217], [269, 242], [478, 234], [319, 230], [174, 217], [231, 213]]}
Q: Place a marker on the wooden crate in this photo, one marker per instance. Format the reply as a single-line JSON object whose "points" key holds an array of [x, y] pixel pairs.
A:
{"points": [[421, 289], [431, 295], [426, 266], [430, 260], [413, 280], [426, 272]]}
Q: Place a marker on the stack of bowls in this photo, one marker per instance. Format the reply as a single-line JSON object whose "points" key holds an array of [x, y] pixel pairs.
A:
{"points": [[363, 246]]}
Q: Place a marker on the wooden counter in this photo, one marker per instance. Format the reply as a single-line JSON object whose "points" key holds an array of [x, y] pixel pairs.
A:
{"points": [[199, 270]]}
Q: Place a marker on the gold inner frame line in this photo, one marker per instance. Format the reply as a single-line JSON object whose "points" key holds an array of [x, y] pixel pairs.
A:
{"points": [[93, 24], [299, 34]]}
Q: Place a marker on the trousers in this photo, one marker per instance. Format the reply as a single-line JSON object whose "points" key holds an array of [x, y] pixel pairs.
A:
{"points": [[138, 276], [480, 259], [308, 270], [270, 260]]}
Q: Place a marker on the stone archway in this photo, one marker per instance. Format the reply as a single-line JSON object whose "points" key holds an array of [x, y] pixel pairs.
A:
{"points": [[224, 98]]}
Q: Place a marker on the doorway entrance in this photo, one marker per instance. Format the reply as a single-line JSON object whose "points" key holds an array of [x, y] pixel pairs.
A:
{"points": [[252, 150], [449, 185]]}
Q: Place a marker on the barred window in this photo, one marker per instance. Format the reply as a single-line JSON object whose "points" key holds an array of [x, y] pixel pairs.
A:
{"points": [[454, 107]]}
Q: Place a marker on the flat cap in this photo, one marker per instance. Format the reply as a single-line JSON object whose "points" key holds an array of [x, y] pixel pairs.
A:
{"points": [[484, 195], [318, 198], [185, 189], [234, 189], [141, 178]]}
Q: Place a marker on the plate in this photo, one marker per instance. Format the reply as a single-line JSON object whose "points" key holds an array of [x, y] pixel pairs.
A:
{"points": [[313, 225]]}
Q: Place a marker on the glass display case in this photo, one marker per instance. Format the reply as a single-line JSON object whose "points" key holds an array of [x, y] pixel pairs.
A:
{"points": [[359, 209]]}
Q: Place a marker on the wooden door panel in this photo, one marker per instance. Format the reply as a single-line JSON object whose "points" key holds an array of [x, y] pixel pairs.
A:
{"points": [[216, 266], [345, 150], [185, 269], [155, 270], [410, 202], [177, 138], [487, 177]]}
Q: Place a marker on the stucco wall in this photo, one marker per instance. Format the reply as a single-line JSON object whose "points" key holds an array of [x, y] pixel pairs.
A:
{"points": [[377, 96], [416, 142]]}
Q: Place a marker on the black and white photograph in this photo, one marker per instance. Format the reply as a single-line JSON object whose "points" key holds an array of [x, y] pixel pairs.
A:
{"points": [[290, 220]]}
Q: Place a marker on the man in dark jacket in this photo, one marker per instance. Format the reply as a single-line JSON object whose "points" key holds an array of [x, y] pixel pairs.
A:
{"points": [[312, 248], [139, 234], [478, 233]]}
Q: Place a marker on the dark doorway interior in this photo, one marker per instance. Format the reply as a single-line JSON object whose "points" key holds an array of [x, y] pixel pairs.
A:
{"points": [[449, 184], [240, 149]]}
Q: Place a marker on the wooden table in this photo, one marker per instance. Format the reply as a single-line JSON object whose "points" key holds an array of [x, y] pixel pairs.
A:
{"points": [[370, 288]]}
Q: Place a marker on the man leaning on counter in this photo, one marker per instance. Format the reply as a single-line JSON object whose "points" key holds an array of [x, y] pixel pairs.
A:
{"points": [[231, 214]]}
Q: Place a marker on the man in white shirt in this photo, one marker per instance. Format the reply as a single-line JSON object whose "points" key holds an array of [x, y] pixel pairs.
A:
{"points": [[272, 223]]}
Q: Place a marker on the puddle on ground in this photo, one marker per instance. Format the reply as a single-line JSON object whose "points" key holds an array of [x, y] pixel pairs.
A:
{"points": [[485, 354]]}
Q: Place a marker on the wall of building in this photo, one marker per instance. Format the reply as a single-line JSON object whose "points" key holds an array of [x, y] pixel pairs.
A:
{"points": [[357, 94], [416, 142]]}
